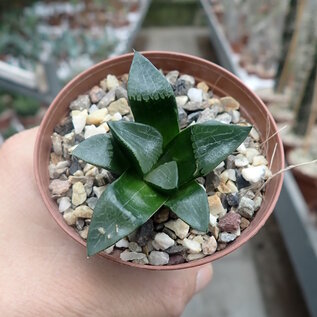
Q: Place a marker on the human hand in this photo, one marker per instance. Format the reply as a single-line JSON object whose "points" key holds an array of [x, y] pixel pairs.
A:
{"points": [[43, 272]]}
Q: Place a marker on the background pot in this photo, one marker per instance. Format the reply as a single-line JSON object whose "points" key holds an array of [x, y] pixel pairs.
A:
{"points": [[221, 82]]}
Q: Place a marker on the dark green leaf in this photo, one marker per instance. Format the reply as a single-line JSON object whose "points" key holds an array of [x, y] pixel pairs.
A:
{"points": [[191, 205], [100, 150], [151, 98], [199, 148], [213, 141], [142, 142], [125, 205], [164, 177]]}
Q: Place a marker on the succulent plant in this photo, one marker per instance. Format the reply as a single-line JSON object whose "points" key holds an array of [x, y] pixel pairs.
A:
{"points": [[25, 106], [157, 163]]}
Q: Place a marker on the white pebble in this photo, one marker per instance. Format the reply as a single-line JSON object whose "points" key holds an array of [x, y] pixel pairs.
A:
{"points": [[116, 117], [255, 134], [254, 174], [213, 220], [64, 204], [158, 258], [241, 161], [123, 243], [259, 160], [180, 227], [192, 245], [181, 100], [79, 120], [195, 94], [112, 82], [91, 130], [163, 240]]}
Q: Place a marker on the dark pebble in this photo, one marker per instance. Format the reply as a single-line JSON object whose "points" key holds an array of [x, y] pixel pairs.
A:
{"points": [[158, 226], [170, 233], [79, 138], [74, 166], [233, 199], [230, 162], [175, 249], [80, 223], [241, 182], [145, 233], [173, 215], [181, 87], [65, 127], [224, 201], [212, 182], [182, 117], [176, 259]]}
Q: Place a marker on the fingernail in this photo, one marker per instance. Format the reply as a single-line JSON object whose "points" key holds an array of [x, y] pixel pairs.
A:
{"points": [[203, 277]]}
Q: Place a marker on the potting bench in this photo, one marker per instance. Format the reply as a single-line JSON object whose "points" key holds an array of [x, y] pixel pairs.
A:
{"points": [[294, 219]]}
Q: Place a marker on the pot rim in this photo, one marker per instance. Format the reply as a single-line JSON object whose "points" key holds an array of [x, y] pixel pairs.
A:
{"points": [[164, 55]]}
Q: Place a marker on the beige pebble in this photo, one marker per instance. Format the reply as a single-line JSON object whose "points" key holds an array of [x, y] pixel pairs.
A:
{"points": [[79, 194]]}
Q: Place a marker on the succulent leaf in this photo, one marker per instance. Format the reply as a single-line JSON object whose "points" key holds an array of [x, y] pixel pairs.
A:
{"points": [[125, 205], [100, 150], [151, 98], [141, 142], [191, 205], [164, 177]]}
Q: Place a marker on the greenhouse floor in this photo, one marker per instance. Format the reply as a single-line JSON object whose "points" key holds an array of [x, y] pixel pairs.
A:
{"points": [[256, 280]]}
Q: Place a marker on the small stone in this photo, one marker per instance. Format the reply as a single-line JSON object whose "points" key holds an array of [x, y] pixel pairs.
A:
{"points": [[84, 233], [230, 162], [145, 233], [112, 82], [79, 120], [246, 207], [79, 194], [249, 194], [170, 233], [127, 255], [235, 114], [181, 87], [192, 117], [97, 117], [96, 94], [209, 245], [182, 118], [107, 99], [74, 166], [195, 94], [66, 126], [221, 246], [57, 144], [230, 103], [194, 257], [229, 222], [54, 158], [109, 250], [92, 109], [116, 117], [242, 149], [176, 259], [226, 237], [81, 103], [232, 174], [257, 203], [180, 227], [251, 153], [203, 86], [91, 202], [255, 134], [80, 223], [192, 245], [213, 220], [227, 188], [233, 199], [172, 76], [241, 182], [99, 190], [158, 258], [215, 206], [123, 243], [194, 106], [241, 161], [188, 79], [254, 174], [212, 182], [69, 218], [181, 101], [214, 231], [206, 115], [64, 204], [121, 106], [121, 92], [142, 261], [198, 238], [224, 176], [259, 160], [163, 240], [224, 118], [91, 130], [59, 187], [83, 212], [134, 247], [244, 223], [57, 170], [175, 249]]}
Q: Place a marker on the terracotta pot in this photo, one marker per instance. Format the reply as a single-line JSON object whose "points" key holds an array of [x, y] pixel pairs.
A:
{"points": [[5, 119], [222, 83]]}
